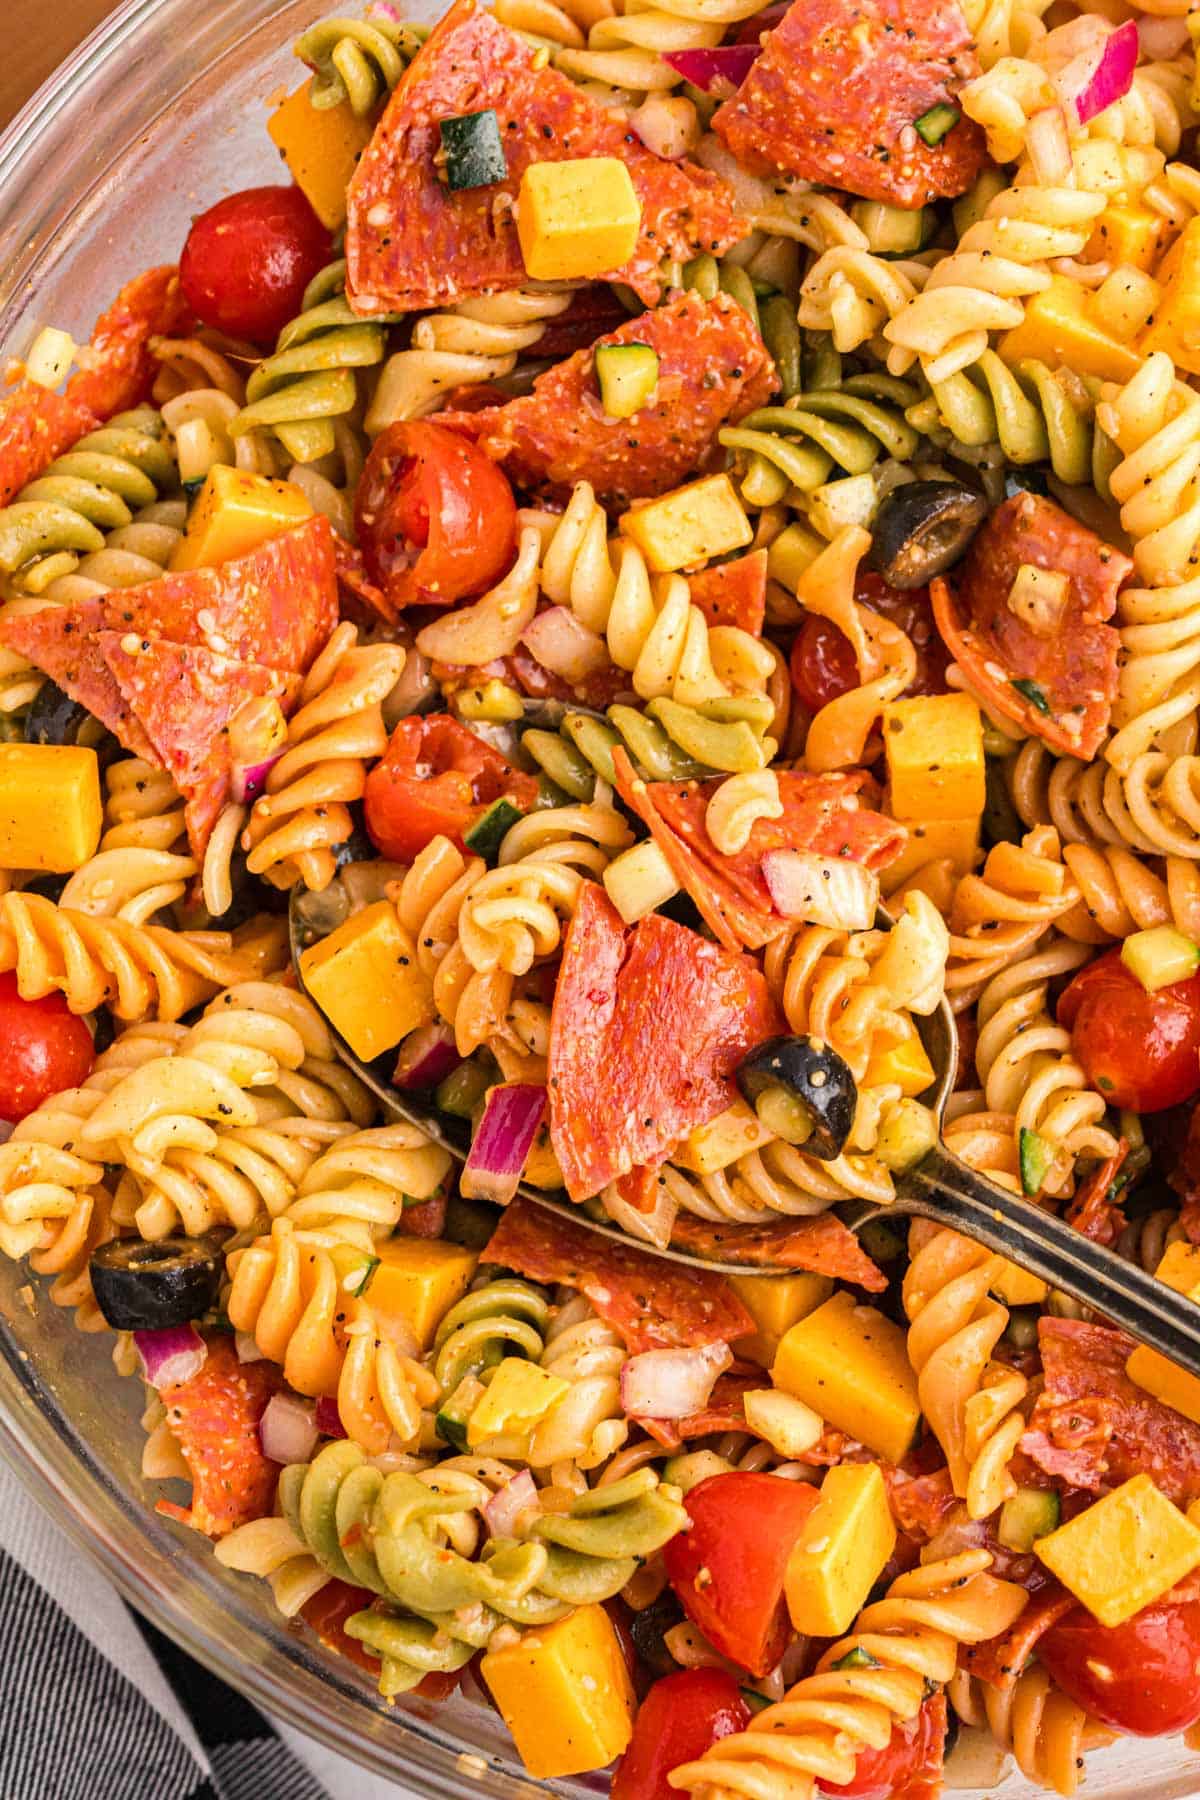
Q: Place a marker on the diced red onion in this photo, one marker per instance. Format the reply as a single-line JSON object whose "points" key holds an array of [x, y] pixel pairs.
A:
{"points": [[287, 1430], [564, 646], [1098, 78], [172, 1355], [712, 71], [671, 1384], [247, 1350], [249, 779], [427, 1056], [329, 1419], [822, 890], [502, 1142], [1161, 39], [1049, 147], [508, 1503]]}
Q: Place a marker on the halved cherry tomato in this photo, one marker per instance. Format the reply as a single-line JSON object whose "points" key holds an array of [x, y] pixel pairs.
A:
{"points": [[44, 1047], [327, 1613], [435, 517], [909, 1767], [823, 665], [1139, 1050], [249, 258], [679, 1719], [1142, 1677], [436, 779], [728, 1567]]}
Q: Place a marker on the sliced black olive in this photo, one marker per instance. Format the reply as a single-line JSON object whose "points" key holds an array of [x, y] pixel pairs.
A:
{"points": [[147, 1287], [1026, 481], [923, 528], [813, 1074], [53, 717], [648, 1629]]}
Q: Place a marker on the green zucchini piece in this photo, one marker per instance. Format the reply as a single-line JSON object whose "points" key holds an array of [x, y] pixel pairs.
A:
{"points": [[474, 150], [491, 828], [1030, 1514], [628, 377], [463, 1090], [456, 1409], [934, 124], [1035, 1157]]}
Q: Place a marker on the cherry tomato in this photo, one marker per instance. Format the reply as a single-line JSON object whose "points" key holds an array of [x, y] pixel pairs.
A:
{"points": [[436, 779], [44, 1047], [327, 1613], [909, 1765], [677, 1721], [728, 1567], [249, 258], [823, 664], [436, 518], [1142, 1677], [1139, 1050]]}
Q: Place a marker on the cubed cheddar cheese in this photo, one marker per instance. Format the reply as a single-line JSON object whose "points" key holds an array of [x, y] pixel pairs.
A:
{"points": [[1061, 328], [904, 1065], [1157, 1374], [934, 746], [519, 1395], [565, 1694], [50, 807], [776, 1303], [841, 1552], [577, 219], [850, 1364], [1175, 326], [733, 1133], [366, 980], [689, 525], [320, 145], [934, 840], [234, 513], [1129, 236], [1124, 1552], [417, 1281]]}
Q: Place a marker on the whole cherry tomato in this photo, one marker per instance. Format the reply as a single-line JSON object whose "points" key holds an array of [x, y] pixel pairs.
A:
{"points": [[249, 258], [910, 1763], [823, 665], [679, 1719], [1142, 1677], [1139, 1050], [436, 779], [728, 1568], [435, 517], [44, 1047]]}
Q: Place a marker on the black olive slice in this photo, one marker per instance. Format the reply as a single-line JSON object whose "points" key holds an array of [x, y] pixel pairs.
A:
{"points": [[809, 1069], [922, 529], [148, 1287], [53, 717]]}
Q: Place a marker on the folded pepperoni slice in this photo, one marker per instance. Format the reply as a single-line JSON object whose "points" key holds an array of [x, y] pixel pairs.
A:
{"points": [[821, 1244], [36, 425], [120, 370], [733, 593], [214, 1419], [838, 95], [654, 1305], [1055, 672], [412, 242], [622, 1093], [713, 368]]}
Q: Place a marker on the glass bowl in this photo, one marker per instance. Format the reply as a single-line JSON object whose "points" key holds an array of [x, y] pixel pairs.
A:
{"points": [[160, 112]]}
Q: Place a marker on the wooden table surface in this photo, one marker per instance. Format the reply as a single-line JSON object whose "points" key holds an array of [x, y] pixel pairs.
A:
{"points": [[36, 39]]}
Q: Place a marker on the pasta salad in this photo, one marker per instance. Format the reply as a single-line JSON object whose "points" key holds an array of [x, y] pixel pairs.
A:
{"points": [[533, 661]]}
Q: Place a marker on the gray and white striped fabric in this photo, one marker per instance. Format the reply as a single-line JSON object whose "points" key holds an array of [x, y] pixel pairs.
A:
{"points": [[97, 1705]]}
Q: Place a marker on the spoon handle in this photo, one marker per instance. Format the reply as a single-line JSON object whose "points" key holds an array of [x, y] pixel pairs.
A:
{"points": [[943, 1189]]}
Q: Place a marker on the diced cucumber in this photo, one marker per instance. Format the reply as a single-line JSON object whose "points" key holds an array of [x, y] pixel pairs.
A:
{"points": [[462, 1091], [694, 1466], [628, 377], [1160, 957], [468, 1223], [354, 1268], [1030, 1514], [790, 554], [857, 1658], [851, 501], [457, 1408], [639, 881], [474, 150], [890, 230], [934, 124], [489, 831], [1035, 1157], [784, 1113], [908, 1133], [755, 1701]]}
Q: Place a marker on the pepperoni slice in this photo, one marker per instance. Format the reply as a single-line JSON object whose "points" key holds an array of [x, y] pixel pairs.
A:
{"points": [[1058, 682], [411, 242], [214, 1420], [652, 1304], [713, 368], [621, 1093], [120, 370], [36, 425], [837, 91], [734, 593], [821, 1244]]}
